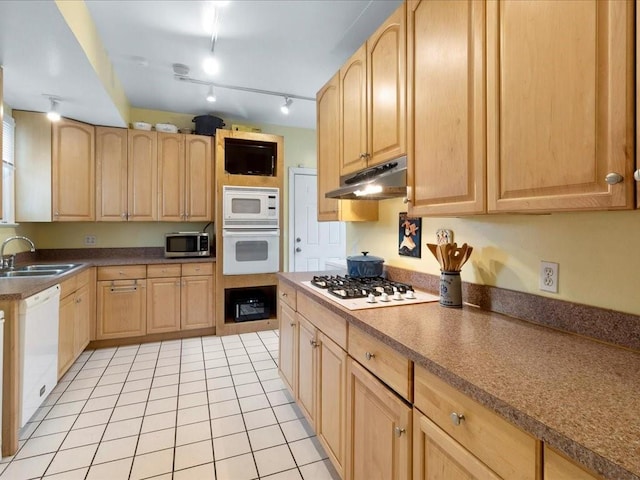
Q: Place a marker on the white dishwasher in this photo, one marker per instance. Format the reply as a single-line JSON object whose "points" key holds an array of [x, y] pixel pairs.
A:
{"points": [[39, 316]]}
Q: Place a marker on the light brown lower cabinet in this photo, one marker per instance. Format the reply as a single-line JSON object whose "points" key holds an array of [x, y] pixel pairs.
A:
{"points": [[437, 456], [179, 297], [122, 304], [307, 368], [288, 352], [77, 313], [558, 467], [378, 429]]}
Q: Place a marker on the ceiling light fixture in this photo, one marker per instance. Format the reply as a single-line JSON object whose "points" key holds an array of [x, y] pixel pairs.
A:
{"points": [[285, 106], [210, 64], [211, 96], [53, 114]]}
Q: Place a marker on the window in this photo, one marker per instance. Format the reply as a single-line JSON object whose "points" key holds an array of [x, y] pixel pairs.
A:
{"points": [[8, 171]]}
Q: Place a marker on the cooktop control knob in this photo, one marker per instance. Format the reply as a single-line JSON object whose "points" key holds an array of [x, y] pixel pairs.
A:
{"points": [[410, 294], [371, 298]]}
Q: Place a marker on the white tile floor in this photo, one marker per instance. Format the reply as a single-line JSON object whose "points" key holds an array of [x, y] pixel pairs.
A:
{"points": [[200, 408]]}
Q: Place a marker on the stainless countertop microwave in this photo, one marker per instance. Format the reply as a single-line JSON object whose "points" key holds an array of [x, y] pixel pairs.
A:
{"points": [[186, 244]]}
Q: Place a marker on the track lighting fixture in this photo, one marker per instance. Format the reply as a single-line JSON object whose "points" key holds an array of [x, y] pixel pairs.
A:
{"points": [[211, 96], [285, 106], [53, 114]]}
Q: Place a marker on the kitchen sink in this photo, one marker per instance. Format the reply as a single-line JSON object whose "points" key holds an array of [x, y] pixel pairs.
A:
{"points": [[38, 270], [30, 273], [47, 266]]}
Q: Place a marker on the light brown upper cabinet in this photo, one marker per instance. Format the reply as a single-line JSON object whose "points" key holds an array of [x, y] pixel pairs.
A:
{"points": [[73, 171], [372, 98], [560, 105], [185, 177], [142, 176], [446, 107], [328, 136], [111, 174], [126, 178]]}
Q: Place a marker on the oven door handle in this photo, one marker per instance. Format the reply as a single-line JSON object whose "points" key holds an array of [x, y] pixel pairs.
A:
{"points": [[251, 233]]}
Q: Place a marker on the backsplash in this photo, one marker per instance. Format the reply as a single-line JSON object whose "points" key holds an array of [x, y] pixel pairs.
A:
{"points": [[622, 329]]}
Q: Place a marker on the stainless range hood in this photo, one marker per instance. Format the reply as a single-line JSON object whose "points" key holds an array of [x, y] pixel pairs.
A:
{"points": [[388, 180]]}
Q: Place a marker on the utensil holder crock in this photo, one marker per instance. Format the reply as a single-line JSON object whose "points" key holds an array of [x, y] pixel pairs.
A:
{"points": [[450, 289]]}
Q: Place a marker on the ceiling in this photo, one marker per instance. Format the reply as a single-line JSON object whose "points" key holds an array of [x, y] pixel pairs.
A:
{"points": [[290, 47]]}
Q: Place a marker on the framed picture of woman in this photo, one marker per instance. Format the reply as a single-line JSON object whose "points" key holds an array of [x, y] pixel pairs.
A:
{"points": [[409, 235]]}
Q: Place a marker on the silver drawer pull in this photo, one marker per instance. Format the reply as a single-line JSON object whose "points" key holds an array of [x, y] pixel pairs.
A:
{"points": [[456, 418], [399, 431], [124, 289], [369, 355]]}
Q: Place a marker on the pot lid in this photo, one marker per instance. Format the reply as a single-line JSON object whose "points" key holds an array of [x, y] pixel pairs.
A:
{"points": [[365, 258]]}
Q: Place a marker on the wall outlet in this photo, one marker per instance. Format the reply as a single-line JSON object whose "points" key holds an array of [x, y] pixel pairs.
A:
{"points": [[549, 276], [444, 235], [90, 241]]}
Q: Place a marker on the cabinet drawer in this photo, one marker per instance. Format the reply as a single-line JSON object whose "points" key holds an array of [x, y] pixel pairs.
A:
{"points": [[329, 323], [194, 269], [83, 278], [384, 362], [69, 286], [161, 271], [122, 272], [287, 293], [503, 447]]}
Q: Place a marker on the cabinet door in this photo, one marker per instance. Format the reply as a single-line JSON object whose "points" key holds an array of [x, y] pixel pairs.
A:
{"points": [[171, 177], [111, 174], [353, 113], [122, 309], [142, 176], [307, 376], [378, 429], [559, 105], [197, 302], [73, 171], [331, 420], [328, 146], [386, 99], [82, 320], [163, 304], [198, 178], [437, 456], [446, 107], [558, 467], [66, 333], [288, 346]]}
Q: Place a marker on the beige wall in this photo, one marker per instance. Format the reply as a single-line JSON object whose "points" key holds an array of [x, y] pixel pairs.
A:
{"points": [[598, 252]]}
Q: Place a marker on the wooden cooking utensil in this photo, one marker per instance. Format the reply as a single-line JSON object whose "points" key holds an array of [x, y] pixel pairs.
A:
{"points": [[432, 248]]}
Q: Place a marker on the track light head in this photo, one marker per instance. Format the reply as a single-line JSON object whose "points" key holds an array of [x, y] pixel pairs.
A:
{"points": [[53, 114], [285, 106]]}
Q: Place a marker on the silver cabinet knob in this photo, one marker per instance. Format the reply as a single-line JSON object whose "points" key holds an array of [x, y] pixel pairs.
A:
{"points": [[298, 240], [314, 344], [456, 418], [613, 178], [636, 175], [369, 355], [298, 249], [399, 431]]}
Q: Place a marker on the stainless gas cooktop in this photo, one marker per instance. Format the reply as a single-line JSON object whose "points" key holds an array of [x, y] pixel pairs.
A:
{"points": [[370, 292]]}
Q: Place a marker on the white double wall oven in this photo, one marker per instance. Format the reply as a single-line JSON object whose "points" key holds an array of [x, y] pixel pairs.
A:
{"points": [[250, 230]]}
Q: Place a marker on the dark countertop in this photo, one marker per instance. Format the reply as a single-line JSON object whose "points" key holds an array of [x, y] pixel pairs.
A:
{"points": [[20, 288], [578, 395]]}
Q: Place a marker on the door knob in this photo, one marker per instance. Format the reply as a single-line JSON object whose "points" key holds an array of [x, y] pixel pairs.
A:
{"points": [[298, 240], [298, 249]]}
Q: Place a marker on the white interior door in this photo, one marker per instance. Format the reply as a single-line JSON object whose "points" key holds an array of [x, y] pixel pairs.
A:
{"points": [[312, 242]]}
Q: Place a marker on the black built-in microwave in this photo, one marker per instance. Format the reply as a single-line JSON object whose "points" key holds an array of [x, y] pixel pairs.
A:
{"points": [[250, 157]]}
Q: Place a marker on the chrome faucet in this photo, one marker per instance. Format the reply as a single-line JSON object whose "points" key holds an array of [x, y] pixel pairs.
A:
{"points": [[10, 260]]}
